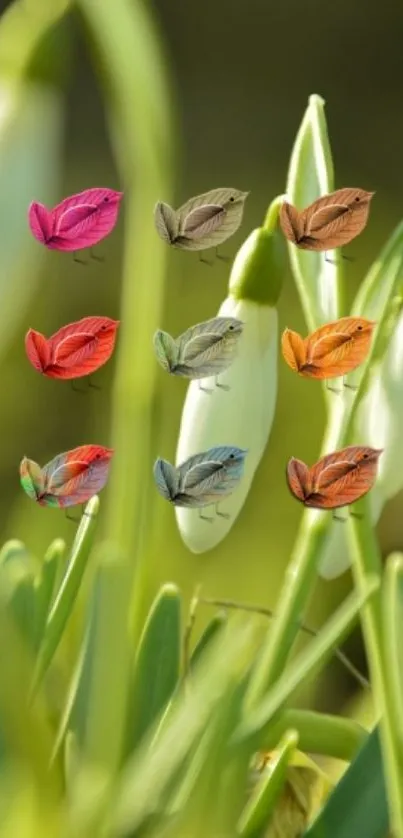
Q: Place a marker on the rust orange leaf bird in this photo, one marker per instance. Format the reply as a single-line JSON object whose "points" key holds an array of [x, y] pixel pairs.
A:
{"points": [[337, 479], [332, 221], [76, 350], [333, 350]]}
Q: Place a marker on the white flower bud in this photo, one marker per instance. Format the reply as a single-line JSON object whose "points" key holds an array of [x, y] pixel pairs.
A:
{"points": [[241, 416]]}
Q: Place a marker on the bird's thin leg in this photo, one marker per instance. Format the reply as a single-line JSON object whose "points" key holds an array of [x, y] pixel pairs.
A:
{"points": [[222, 257], [80, 261], [78, 389], [355, 514], [205, 517], [205, 389], [92, 385], [222, 386], [333, 389], [72, 518], [331, 261], [205, 261], [349, 386], [221, 514], [339, 518], [95, 257]]}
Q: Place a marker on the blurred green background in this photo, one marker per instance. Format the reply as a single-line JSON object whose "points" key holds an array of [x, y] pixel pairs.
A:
{"points": [[242, 74]]}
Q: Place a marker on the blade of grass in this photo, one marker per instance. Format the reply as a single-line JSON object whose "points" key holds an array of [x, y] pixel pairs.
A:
{"points": [[265, 795], [107, 678], [357, 806], [66, 596], [210, 798], [310, 660], [367, 563], [25, 727], [157, 665], [44, 587], [148, 773], [393, 622], [211, 631]]}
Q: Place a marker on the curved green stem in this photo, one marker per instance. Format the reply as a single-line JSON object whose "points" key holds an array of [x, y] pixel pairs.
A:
{"points": [[315, 527], [319, 733], [367, 563], [141, 124]]}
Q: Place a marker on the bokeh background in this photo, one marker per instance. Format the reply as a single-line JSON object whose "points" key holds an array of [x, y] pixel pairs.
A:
{"points": [[242, 73]]}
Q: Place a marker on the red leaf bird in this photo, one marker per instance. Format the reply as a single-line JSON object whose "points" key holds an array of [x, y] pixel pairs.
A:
{"points": [[76, 350], [78, 222]]}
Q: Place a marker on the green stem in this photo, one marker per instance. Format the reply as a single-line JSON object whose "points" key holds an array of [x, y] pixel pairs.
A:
{"points": [[22, 29], [367, 563], [66, 597], [261, 804], [301, 572], [318, 733], [127, 39], [392, 614]]}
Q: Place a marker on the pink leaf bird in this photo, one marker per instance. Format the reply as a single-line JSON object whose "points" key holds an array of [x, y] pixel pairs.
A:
{"points": [[80, 221]]}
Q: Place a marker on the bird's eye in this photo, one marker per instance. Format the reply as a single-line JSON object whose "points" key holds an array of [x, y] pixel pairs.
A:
{"points": [[232, 456], [106, 199], [232, 200], [365, 456], [357, 198], [359, 328], [231, 328]]}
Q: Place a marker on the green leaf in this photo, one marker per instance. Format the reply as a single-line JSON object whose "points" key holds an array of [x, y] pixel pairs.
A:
{"points": [[45, 587], [69, 588], [148, 774], [210, 632], [30, 123], [310, 175], [95, 710], [310, 660], [393, 622], [210, 798], [15, 550], [264, 797], [357, 806], [157, 666], [24, 725], [375, 290], [17, 574], [106, 671]]}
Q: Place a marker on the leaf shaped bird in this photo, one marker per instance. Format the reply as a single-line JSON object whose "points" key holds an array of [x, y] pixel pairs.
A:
{"points": [[78, 222], [333, 350], [202, 480], [202, 222], [76, 350], [69, 479], [206, 349], [337, 479], [329, 222]]}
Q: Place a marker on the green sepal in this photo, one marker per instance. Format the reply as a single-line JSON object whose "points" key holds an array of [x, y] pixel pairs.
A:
{"points": [[261, 263]]}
